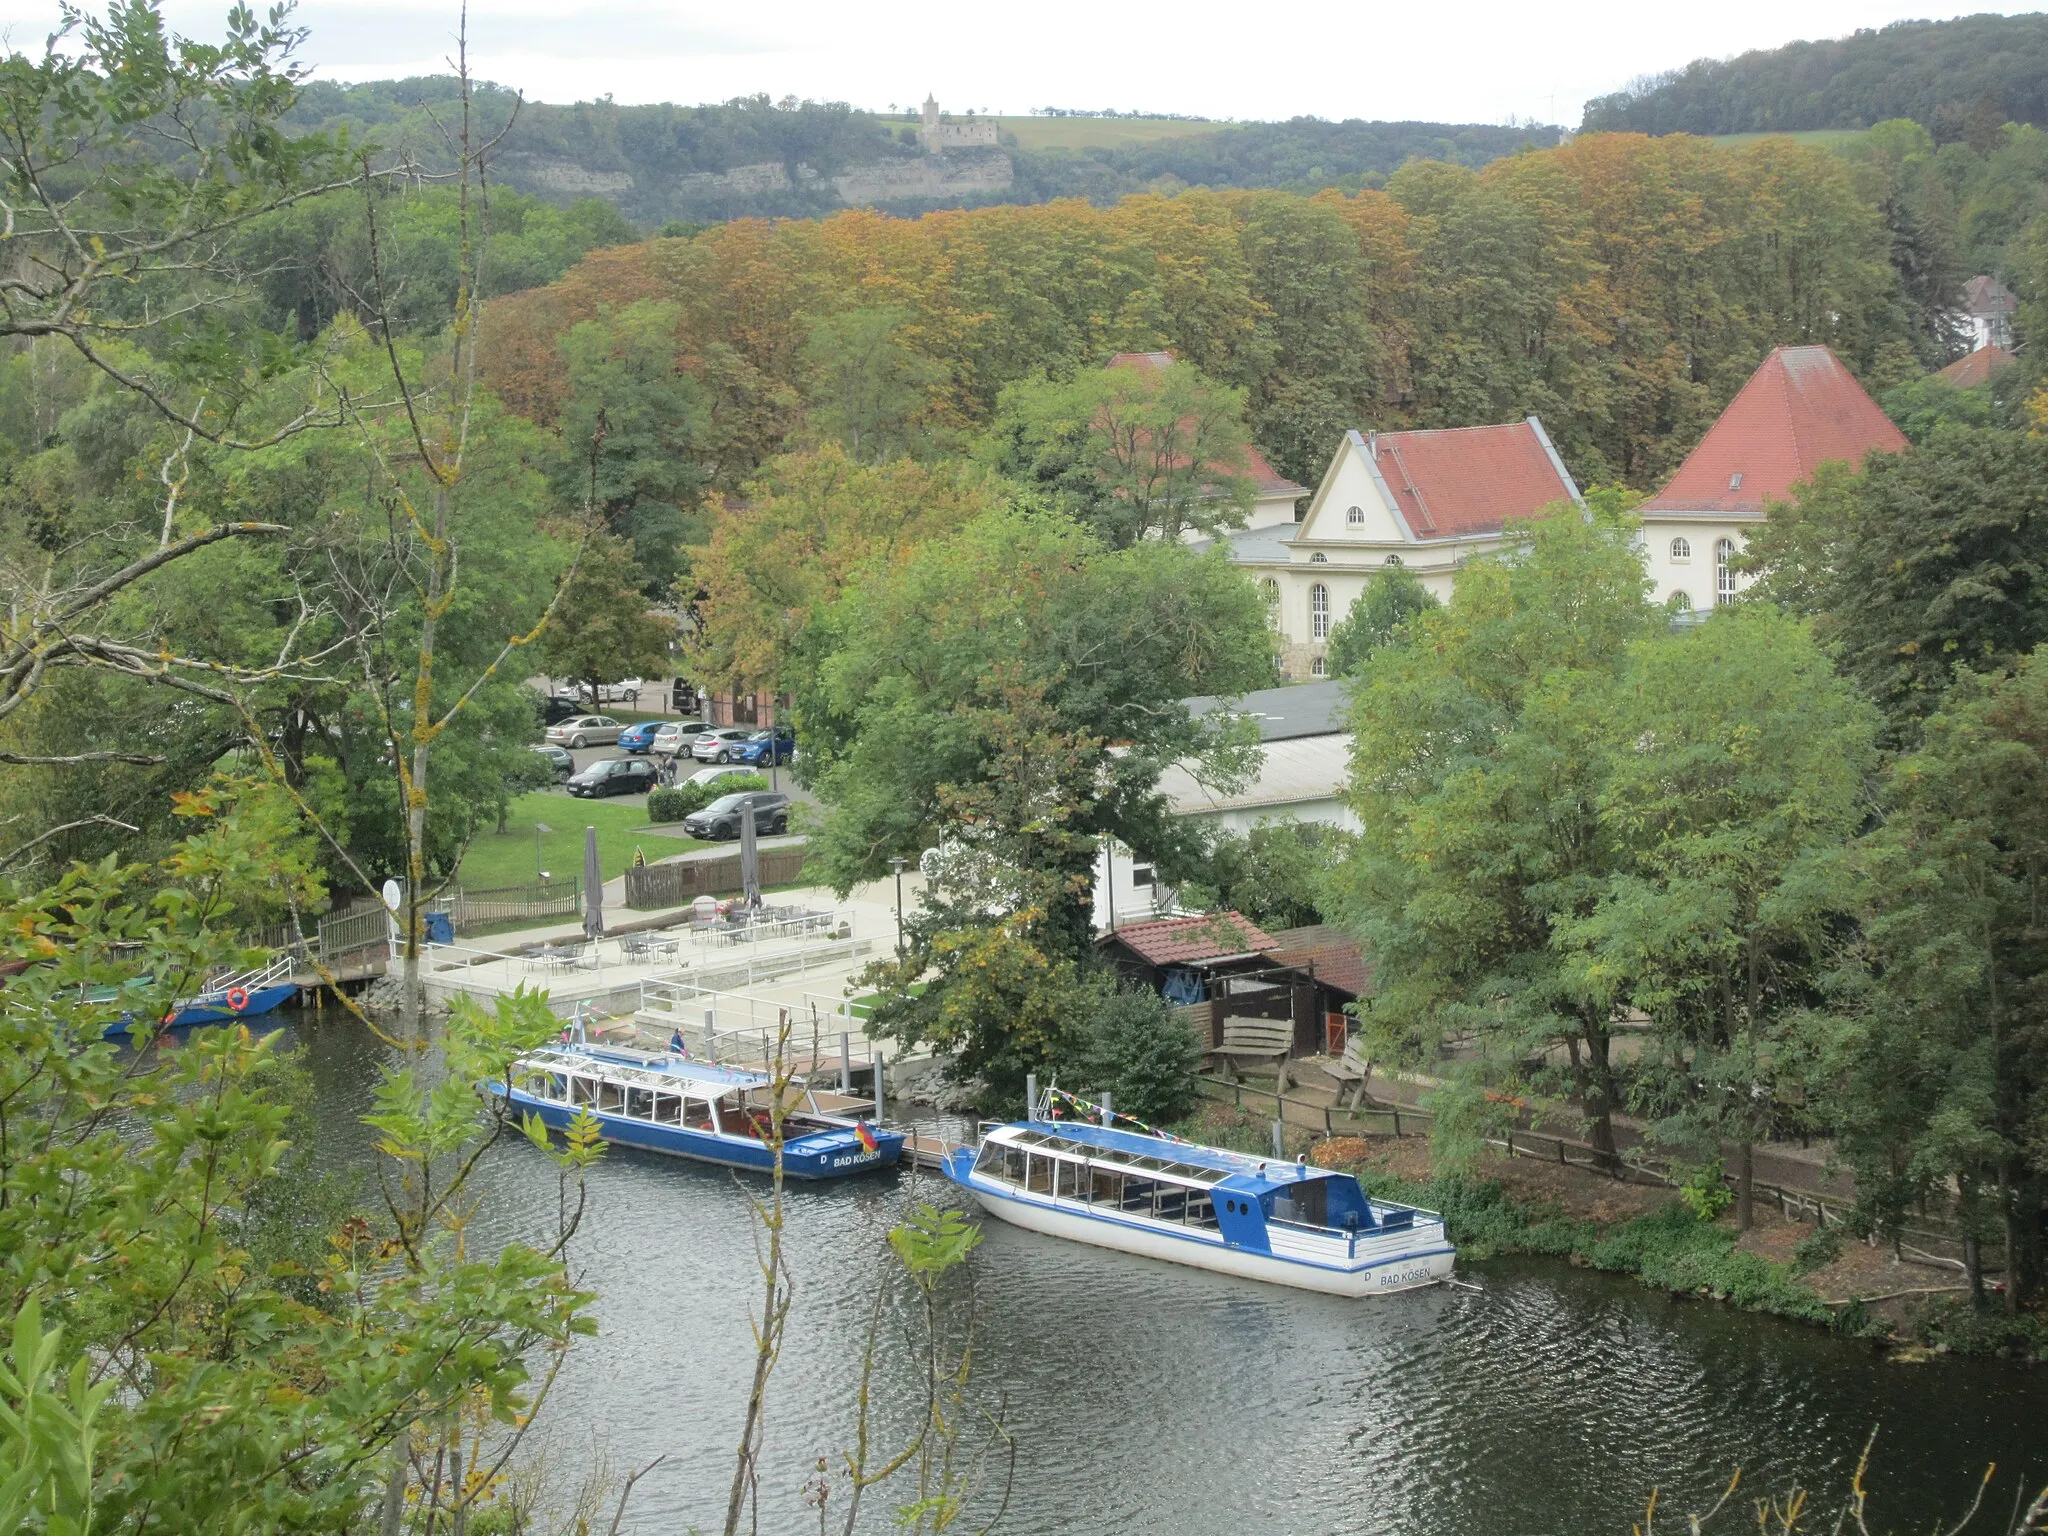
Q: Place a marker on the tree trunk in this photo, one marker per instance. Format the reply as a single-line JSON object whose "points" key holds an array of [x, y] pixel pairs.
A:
{"points": [[1745, 1184], [413, 1016], [1973, 1267], [2009, 1220], [1597, 1094]]}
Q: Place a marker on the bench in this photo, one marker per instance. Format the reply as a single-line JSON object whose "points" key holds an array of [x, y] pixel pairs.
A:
{"points": [[1255, 1040], [1353, 1067]]}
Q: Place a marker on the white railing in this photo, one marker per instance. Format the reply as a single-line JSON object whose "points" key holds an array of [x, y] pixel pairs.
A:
{"points": [[734, 1029]]}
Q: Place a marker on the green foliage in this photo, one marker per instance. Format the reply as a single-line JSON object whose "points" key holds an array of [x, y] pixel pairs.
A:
{"points": [[1817, 1250], [1946, 75], [1924, 406], [1951, 1323], [1925, 564], [1274, 874], [676, 801], [869, 391], [1704, 1190], [1144, 1055], [1129, 451], [603, 629], [1392, 599]]}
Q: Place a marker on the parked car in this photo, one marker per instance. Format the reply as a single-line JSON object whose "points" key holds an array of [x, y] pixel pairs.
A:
{"points": [[613, 776], [585, 731], [674, 738], [713, 775], [639, 738], [721, 818], [717, 746], [766, 747], [625, 691], [557, 707], [564, 764]]}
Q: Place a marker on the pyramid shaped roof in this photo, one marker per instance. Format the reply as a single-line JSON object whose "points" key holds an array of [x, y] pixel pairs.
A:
{"points": [[1799, 410]]}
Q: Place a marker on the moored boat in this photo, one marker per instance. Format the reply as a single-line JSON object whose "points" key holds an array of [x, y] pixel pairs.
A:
{"points": [[226, 999], [668, 1103], [1163, 1198]]}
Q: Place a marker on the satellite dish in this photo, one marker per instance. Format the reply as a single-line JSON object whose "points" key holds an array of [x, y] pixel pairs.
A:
{"points": [[393, 895]]}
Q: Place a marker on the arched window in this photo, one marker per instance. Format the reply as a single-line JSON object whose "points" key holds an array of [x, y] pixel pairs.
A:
{"points": [[1682, 602], [1271, 589], [1355, 518], [1393, 559], [1724, 575], [1319, 612], [1681, 551], [1319, 558], [1316, 668]]}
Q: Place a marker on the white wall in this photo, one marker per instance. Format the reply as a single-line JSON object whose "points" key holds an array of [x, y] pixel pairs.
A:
{"points": [[1697, 575]]}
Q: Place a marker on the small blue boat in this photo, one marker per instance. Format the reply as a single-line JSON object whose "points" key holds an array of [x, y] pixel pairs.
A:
{"points": [[669, 1103], [1154, 1195], [227, 999]]}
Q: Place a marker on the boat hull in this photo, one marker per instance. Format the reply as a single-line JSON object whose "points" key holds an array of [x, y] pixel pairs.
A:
{"points": [[212, 1010], [821, 1155], [1398, 1272]]}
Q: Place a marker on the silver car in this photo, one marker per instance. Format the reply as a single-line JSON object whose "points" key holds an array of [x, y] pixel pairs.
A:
{"points": [[716, 746], [675, 737], [585, 731]]}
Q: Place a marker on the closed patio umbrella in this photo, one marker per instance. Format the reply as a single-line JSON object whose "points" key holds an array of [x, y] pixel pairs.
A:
{"points": [[593, 886], [750, 857]]}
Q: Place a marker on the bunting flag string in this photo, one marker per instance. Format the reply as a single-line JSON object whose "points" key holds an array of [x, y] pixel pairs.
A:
{"points": [[1089, 1106]]}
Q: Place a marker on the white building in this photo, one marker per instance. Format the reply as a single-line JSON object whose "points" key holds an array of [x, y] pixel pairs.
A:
{"points": [[940, 133], [1426, 500], [1799, 410], [1988, 308], [1304, 761]]}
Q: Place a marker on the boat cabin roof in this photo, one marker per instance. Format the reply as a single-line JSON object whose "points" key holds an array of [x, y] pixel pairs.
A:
{"points": [[1183, 1161], [645, 1069]]}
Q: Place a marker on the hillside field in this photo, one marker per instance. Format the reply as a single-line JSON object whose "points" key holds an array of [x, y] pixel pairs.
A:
{"points": [[1819, 138], [1101, 132]]}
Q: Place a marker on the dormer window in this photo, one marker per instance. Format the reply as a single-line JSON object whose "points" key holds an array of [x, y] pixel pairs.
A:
{"points": [[1319, 558], [1355, 518], [1735, 481]]}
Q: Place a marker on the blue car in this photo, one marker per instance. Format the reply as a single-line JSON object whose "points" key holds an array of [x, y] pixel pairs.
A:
{"points": [[639, 738], [765, 747]]}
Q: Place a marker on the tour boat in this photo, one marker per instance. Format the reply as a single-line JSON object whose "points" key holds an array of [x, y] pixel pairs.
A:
{"points": [[669, 1103], [1164, 1198]]}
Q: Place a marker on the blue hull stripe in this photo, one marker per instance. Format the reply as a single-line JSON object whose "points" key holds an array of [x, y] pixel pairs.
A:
{"points": [[822, 1155]]}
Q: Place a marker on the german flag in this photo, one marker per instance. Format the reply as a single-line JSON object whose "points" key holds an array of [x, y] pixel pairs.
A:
{"points": [[867, 1137]]}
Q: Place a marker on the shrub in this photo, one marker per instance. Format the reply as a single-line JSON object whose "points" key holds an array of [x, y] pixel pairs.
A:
{"points": [[1145, 1056], [1703, 1190], [1818, 1249], [676, 801]]}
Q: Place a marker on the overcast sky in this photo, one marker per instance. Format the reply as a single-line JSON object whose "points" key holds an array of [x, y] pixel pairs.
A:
{"points": [[1454, 61]]}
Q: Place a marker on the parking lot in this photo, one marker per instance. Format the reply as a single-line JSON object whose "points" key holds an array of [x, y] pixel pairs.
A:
{"points": [[684, 769]]}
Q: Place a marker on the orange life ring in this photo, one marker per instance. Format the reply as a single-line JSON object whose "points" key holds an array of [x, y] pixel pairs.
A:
{"points": [[238, 998]]}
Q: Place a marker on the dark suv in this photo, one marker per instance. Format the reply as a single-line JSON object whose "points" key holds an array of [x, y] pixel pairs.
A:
{"points": [[613, 776], [721, 818]]}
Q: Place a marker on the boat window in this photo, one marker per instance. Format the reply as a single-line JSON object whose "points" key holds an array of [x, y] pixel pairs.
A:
{"points": [[1137, 1196], [610, 1096], [1103, 1186], [1306, 1203], [639, 1104], [1038, 1174], [1172, 1203], [668, 1108], [1201, 1211]]}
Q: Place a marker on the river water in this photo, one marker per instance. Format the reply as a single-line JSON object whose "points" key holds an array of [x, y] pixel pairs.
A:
{"points": [[1148, 1398]]}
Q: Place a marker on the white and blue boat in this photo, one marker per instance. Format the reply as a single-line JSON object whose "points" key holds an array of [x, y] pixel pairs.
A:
{"points": [[225, 999], [1163, 1198], [668, 1103]]}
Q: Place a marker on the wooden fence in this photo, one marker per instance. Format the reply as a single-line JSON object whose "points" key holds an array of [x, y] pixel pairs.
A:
{"points": [[471, 910], [679, 882]]}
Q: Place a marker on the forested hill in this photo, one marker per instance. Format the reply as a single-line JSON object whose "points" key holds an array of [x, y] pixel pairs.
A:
{"points": [[1960, 78], [661, 164]]}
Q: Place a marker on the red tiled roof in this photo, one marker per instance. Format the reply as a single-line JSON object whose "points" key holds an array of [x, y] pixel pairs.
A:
{"points": [[1180, 940], [1466, 480], [1799, 410], [1266, 480], [1977, 368]]}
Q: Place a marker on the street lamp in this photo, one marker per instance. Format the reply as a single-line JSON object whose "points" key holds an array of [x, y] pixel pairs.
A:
{"points": [[896, 863], [538, 828]]}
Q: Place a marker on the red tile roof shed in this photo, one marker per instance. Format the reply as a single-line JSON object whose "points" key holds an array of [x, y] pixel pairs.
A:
{"points": [[1977, 368], [1268, 480], [1184, 940], [1799, 410], [1467, 480]]}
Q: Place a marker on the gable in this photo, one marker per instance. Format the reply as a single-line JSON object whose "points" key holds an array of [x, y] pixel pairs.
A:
{"points": [[1346, 484]]}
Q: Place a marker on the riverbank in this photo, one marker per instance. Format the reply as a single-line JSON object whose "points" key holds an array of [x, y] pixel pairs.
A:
{"points": [[1788, 1268]]}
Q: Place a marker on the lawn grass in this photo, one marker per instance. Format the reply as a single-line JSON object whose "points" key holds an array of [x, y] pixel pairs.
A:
{"points": [[1100, 132], [506, 858]]}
